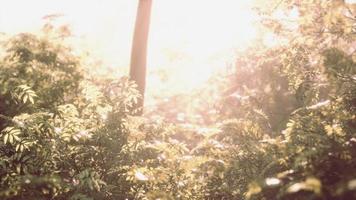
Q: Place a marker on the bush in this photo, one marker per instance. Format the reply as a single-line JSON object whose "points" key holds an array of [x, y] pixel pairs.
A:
{"points": [[62, 136], [282, 125]]}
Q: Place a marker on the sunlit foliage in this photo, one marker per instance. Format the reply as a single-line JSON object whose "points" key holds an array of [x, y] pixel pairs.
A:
{"points": [[280, 125]]}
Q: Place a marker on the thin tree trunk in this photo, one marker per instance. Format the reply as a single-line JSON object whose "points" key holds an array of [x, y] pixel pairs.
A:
{"points": [[139, 49]]}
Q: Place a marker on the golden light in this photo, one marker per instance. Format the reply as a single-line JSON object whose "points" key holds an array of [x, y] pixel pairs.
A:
{"points": [[189, 39]]}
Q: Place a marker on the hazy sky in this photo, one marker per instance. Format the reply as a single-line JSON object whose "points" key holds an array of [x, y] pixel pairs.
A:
{"points": [[104, 25], [191, 37]]}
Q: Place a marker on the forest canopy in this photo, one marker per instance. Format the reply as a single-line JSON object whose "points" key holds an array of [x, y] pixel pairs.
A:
{"points": [[280, 123]]}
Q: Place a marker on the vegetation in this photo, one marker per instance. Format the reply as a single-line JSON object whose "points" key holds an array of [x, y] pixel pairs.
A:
{"points": [[283, 125]]}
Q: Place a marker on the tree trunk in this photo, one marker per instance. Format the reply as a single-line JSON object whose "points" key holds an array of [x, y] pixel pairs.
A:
{"points": [[139, 50]]}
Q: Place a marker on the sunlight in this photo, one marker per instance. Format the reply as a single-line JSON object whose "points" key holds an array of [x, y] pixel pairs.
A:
{"points": [[244, 99], [191, 34], [189, 39]]}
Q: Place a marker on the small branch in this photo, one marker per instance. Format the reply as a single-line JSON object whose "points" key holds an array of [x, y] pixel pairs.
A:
{"points": [[277, 5], [9, 119], [6, 118]]}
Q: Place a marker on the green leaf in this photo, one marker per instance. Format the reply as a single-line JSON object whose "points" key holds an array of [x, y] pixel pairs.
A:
{"points": [[6, 138], [11, 139], [25, 98]]}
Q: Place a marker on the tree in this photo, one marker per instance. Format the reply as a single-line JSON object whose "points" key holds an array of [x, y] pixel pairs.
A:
{"points": [[139, 49]]}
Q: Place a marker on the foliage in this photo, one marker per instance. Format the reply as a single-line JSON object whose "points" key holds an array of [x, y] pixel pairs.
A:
{"points": [[62, 134], [281, 125]]}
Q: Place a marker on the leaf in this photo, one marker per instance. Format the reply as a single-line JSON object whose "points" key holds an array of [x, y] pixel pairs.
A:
{"points": [[23, 93], [272, 181], [31, 99], [6, 138], [11, 139], [253, 188], [16, 137], [140, 176], [17, 147], [25, 98], [15, 131], [311, 184]]}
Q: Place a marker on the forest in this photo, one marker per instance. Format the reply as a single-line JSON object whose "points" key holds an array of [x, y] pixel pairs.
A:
{"points": [[278, 123]]}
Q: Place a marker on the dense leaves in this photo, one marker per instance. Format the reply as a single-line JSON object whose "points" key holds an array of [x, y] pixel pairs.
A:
{"points": [[280, 125]]}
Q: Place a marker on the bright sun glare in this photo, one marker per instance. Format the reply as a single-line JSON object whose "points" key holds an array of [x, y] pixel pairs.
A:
{"points": [[189, 39], [195, 38]]}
